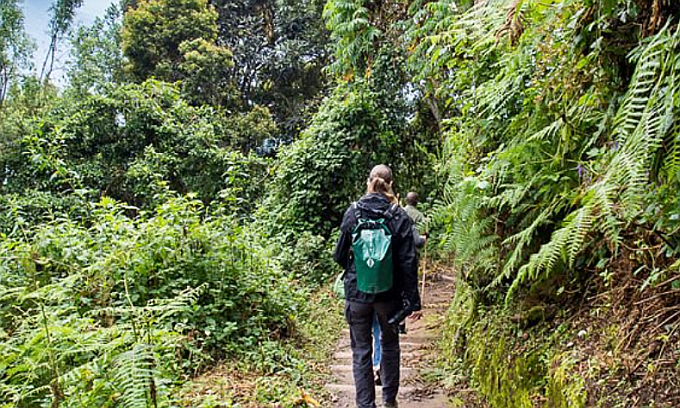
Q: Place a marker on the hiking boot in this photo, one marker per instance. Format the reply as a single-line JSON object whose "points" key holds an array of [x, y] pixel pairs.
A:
{"points": [[392, 404]]}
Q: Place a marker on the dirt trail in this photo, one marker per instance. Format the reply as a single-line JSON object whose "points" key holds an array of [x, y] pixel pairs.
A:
{"points": [[417, 348]]}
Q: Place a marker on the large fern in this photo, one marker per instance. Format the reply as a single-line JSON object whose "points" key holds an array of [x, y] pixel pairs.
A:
{"points": [[58, 351], [641, 124], [578, 163]]}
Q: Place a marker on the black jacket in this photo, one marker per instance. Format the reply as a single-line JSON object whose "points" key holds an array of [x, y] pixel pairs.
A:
{"points": [[405, 284]]}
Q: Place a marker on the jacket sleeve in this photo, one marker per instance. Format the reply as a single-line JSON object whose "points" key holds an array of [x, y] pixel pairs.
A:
{"points": [[417, 238], [341, 254], [408, 263]]}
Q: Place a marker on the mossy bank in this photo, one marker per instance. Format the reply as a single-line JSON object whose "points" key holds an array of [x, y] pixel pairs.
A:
{"points": [[584, 355]]}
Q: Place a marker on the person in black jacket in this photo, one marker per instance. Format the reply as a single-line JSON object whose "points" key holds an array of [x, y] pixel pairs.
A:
{"points": [[379, 202]]}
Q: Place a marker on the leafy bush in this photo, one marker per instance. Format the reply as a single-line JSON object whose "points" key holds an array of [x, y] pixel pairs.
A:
{"points": [[24, 211], [309, 259], [124, 141], [360, 125], [319, 174], [113, 312], [154, 31]]}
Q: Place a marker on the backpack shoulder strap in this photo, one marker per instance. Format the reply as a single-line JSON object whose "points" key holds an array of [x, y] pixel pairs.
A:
{"points": [[390, 212], [356, 211]]}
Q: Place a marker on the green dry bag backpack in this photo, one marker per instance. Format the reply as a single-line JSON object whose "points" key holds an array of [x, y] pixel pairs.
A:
{"points": [[372, 248]]}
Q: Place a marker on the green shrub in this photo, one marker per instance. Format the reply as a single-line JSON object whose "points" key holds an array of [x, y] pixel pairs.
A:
{"points": [[309, 259], [116, 309], [359, 125], [24, 211]]}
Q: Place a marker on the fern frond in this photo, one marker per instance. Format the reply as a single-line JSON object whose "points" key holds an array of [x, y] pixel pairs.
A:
{"points": [[671, 165], [160, 309], [520, 241], [580, 226], [548, 132], [603, 196], [544, 260], [134, 374]]}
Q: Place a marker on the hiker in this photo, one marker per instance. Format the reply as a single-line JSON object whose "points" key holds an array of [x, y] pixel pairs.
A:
{"points": [[372, 228], [418, 219]]}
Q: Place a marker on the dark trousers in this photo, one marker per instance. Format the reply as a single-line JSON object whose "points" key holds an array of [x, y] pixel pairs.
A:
{"points": [[359, 316]]}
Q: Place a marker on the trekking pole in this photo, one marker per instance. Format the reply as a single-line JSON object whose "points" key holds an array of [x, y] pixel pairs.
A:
{"points": [[422, 290]]}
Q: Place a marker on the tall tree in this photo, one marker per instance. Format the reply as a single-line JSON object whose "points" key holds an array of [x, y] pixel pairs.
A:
{"points": [[63, 12], [96, 53], [279, 50], [175, 40], [154, 30], [15, 46]]}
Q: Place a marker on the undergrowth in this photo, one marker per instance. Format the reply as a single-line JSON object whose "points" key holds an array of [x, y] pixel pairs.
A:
{"points": [[508, 366], [288, 374], [120, 311]]}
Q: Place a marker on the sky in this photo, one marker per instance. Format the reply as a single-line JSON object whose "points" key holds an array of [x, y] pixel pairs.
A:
{"points": [[37, 18]]}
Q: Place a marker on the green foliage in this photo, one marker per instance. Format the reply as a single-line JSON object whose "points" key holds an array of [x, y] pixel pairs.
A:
{"points": [[276, 371], [318, 173], [642, 123], [126, 140], [131, 255], [248, 131], [101, 313], [154, 30], [542, 133], [15, 46], [279, 49], [353, 34], [361, 124], [20, 212], [63, 13], [27, 100], [564, 389], [323, 171], [539, 146], [458, 216], [508, 368], [309, 259], [97, 58], [206, 68]]}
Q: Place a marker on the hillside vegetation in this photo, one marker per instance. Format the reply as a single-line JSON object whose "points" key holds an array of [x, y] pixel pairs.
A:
{"points": [[167, 216]]}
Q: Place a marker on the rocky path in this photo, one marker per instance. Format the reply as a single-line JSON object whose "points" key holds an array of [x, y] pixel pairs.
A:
{"points": [[417, 348]]}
